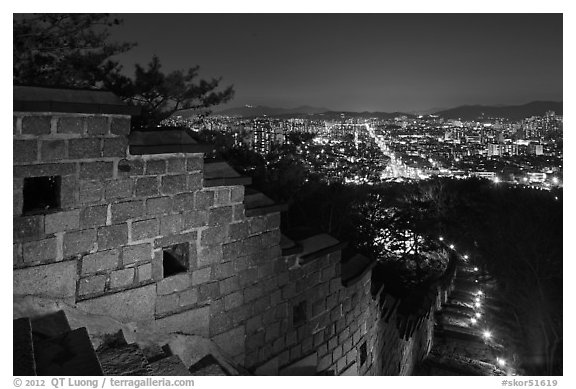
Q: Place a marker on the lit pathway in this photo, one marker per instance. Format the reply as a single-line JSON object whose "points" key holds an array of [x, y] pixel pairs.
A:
{"points": [[467, 338]]}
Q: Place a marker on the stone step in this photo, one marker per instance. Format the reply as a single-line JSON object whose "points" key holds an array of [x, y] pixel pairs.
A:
{"points": [[169, 366], [208, 366], [68, 354], [49, 326], [23, 348], [126, 360]]}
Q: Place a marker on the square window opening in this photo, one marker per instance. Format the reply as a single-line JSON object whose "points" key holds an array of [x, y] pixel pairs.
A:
{"points": [[299, 313], [363, 353], [41, 194], [175, 259]]}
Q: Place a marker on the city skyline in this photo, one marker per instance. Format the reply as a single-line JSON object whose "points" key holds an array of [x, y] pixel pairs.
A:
{"points": [[359, 62]]}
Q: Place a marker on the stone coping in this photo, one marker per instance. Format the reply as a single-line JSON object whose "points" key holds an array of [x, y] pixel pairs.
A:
{"points": [[42, 99]]}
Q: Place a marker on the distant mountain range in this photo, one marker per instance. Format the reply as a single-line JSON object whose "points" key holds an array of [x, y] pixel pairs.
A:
{"points": [[465, 112], [512, 112]]}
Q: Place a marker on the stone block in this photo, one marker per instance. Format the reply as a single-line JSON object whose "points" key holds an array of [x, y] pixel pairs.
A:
{"points": [[231, 342], [79, 242], [220, 216], [157, 266], [115, 147], [91, 192], [237, 194], [201, 276], [146, 186], [191, 322], [96, 170], [195, 163], [255, 341], [183, 202], [166, 304], [84, 148], [28, 228], [118, 189], [194, 219], [224, 270], [145, 272], [127, 210], [209, 292], [188, 297], [68, 192], [238, 231], [130, 168], [24, 151], [17, 254], [233, 300], [39, 251], [238, 212], [36, 125], [158, 205], [145, 229], [71, 125], [209, 255], [248, 276], [127, 306], [113, 236], [325, 362], [44, 169], [120, 126], [136, 253], [97, 125], [93, 216], [62, 221], [175, 283], [52, 150], [195, 182], [172, 184], [252, 293], [229, 285], [273, 221], [220, 322], [56, 280], [204, 200], [155, 167], [122, 278], [100, 261], [171, 240], [212, 236], [176, 165], [171, 224], [91, 285], [222, 197]]}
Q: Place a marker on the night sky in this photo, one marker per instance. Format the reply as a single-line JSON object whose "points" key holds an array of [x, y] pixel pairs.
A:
{"points": [[357, 62]]}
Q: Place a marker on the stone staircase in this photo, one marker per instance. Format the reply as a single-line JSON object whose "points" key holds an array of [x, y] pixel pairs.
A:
{"points": [[459, 347], [48, 346]]}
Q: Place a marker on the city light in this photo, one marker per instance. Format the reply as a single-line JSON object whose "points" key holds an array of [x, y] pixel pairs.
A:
{"points": [[479, 293], [465, 256], [478, 315], [473, 320], [475, 269], [477, 304], [487, 334], [441, 239], [477, 299], [501, 362], [452, 246]]}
